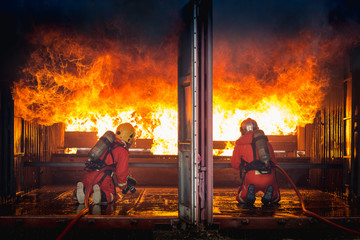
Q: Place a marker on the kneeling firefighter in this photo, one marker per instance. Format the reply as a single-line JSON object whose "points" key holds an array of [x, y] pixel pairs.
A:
{"points": [[254, 156], [108, 159]]}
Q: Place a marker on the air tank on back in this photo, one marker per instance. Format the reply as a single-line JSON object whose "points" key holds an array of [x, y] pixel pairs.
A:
{"points": [[99, 148], [261, 146]]}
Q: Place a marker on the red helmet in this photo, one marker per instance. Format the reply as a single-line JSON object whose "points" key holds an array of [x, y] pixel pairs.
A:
{"points": [[248, 125]]}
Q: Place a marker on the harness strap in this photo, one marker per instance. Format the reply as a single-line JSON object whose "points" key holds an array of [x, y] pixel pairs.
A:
{"points": [[112, 147], [109, 172], [259, 166], [255, 164], [254, 150], [242, 168], [112, 156], [106, 173], [106, 154]]}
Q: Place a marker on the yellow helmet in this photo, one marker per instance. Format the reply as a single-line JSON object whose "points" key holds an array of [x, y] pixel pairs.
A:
{"points": [[125, 132]]}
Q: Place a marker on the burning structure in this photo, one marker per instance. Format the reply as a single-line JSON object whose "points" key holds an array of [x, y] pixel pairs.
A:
{"points": [[301, 86]]}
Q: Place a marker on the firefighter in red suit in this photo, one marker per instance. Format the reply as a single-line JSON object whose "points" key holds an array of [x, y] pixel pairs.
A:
{"points": [[102, 186], [257, 175]]}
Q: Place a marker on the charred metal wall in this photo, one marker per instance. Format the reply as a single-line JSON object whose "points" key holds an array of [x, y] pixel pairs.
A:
{"points": [[354, 134], [328, 141], [34, 143], [335, 133]]}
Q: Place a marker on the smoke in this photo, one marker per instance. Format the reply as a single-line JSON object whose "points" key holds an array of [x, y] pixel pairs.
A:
{"points": [[146, 19], [281, 17], [265, 23], [287, 52], [255, 29], [149, 22], [145, 22], [265, 44]]}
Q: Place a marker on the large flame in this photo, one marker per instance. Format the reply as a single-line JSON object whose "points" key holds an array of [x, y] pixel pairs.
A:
{"points": [[278, 84], [96, 85], [93, 85]]}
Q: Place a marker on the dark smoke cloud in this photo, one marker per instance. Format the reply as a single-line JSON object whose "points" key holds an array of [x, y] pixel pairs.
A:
{"points": [[152, 20], [148, 18], [264, 24], [146, 21], [282, 16]]}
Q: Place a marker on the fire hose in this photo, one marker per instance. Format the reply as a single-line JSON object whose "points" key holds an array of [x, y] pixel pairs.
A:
{"points": [[83, 212], [307, 212], [132, 189]]}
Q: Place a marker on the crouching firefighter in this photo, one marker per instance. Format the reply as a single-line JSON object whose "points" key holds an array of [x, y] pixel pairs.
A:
{"points": [[254, 156], [108, 167]]}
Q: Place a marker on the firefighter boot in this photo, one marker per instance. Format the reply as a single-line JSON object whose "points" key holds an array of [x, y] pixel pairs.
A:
{"points": [[266, 199], [250, 196], [80, 193]]}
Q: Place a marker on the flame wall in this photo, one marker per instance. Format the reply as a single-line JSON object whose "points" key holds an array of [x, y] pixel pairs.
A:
{"points": [[93, 83]]}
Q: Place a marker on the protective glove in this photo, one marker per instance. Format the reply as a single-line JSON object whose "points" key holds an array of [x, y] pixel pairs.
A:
{"points": [[131, 182]]}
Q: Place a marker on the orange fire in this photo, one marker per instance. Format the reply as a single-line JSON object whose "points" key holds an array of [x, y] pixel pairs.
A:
{"points": [[93, 85]]}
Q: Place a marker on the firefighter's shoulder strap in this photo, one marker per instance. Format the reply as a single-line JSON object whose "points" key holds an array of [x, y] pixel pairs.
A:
{"points": [[242, 168], [112, 147], [106, 173], [100, 162], [255, 164]]}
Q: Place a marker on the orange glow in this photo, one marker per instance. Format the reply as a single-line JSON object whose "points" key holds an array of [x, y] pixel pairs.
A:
{"points": [[279, 82], [96, 85], [93, 85]]}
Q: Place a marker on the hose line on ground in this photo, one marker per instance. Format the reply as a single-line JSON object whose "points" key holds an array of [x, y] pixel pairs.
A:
{"points": [[309, 212], [87, 195], [84, 211]]}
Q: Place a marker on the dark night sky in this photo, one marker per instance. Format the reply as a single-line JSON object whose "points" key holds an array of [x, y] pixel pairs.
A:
{"points": [[151, 19]]}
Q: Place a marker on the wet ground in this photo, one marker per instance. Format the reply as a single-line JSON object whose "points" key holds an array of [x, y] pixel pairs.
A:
{"points": [[57, 200], [38, 208], [324, 204]]}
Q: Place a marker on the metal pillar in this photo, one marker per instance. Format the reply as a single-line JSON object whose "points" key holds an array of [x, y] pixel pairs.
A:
{"points": [[354, 108], [195, 115]]}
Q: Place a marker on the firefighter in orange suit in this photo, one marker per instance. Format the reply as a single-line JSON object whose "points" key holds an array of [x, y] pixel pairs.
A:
{"points": [[99, 180], [254, 157]]}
